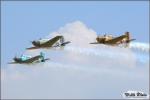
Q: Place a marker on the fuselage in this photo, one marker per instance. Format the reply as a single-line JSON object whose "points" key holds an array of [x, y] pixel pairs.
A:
{"points": [[38, 43], [29, 60], [103, 39]]}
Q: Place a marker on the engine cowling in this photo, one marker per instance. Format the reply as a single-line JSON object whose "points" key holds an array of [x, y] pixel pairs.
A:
{"points": [[127, 37], [100, 39], [36, 43]]}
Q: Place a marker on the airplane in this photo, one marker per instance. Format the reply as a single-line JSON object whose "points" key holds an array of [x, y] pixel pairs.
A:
{"points": [[110, 40], [29, 60], [47, 43]]}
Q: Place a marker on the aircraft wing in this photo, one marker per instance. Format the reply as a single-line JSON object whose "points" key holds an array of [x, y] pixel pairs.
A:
{"points": [[46, 59], [115, 40], [12, 63], [51, 42], [33, 48], [95, 43]]}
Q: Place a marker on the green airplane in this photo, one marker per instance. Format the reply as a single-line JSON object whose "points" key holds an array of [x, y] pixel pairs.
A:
{"points": [[57, 41], [28, 59]]}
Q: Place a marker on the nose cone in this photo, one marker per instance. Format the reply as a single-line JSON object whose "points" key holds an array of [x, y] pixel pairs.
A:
{"points": [[33, 42], [15, 58]]}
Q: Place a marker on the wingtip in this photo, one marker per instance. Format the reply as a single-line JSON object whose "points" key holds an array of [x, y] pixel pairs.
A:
{"points": [[31, 48], [11, 63], [28, 49]]}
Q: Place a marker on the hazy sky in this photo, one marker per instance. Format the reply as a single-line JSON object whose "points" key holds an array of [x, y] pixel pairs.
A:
{"points": [[25, 21]]}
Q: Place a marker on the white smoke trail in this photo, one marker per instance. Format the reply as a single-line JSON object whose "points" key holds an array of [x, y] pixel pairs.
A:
{"points": [[140, 46], [104, 51], [105, 56]]}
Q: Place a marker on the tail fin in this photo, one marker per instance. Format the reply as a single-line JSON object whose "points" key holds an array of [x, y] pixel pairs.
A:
{"points": [[42, 56], [62, 40], [127, 36]]}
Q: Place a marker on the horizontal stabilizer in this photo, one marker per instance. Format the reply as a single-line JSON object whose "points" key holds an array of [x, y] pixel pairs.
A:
{"points": [[43, 60], [130, 40], [46, 59], [95, 43], [64, 43]]}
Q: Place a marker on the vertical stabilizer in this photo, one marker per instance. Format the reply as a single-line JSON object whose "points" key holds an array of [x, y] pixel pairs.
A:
{"points": [[42, 56], [127, 36]]}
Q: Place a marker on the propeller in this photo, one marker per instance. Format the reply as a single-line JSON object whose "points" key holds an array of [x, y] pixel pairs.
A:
{"points": [[15, 58]]}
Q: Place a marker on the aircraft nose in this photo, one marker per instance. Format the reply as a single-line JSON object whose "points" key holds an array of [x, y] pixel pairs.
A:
{"points": [[33, 42], [36, 43], [15, 58]]}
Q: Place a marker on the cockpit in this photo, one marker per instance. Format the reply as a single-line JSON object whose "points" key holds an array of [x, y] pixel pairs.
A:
{"points": [[39, 42], [25, 57]]}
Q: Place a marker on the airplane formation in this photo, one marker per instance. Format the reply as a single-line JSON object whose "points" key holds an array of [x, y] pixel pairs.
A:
{"points": [[59, 41]]}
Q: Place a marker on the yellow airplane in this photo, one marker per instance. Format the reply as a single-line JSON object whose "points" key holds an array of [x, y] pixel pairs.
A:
{"points": [[110, 40]]}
